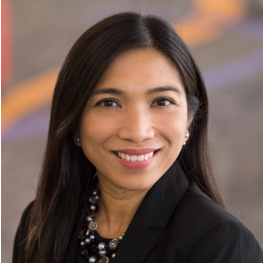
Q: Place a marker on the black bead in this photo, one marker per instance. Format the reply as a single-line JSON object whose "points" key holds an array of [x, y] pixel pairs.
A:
{"points": [[85, 252], [83, 226], [81, 234], [92, 246], [93, 199]]}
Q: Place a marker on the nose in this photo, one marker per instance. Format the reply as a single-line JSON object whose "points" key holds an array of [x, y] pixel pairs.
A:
{"points": [[137, 126]]}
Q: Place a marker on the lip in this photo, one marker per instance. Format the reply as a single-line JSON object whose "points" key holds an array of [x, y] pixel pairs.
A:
{"points": [[136, 165]]}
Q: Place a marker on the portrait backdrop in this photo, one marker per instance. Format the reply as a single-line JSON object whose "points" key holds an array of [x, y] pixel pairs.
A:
{"points": [[225, 38]]}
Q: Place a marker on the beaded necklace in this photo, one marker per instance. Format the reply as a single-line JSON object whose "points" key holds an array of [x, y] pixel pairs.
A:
{"points": [[93, 251]]}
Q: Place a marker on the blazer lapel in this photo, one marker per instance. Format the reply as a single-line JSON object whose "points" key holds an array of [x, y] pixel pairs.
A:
{"points": [[137, 243], [155, 211]]}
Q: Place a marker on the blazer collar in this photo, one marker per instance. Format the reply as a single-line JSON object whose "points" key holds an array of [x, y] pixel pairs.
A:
{"points": [[155, 211], [161, 200]]}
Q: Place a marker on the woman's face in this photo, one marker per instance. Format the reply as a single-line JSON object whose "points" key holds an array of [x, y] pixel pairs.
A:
{"points": [[134, 124]]}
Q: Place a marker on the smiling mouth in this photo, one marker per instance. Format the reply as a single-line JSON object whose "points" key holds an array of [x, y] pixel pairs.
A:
{"points": [[135, 158]]}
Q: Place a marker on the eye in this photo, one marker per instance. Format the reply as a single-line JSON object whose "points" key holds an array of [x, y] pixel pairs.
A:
{"points": [[162, 102], [107, 103]]}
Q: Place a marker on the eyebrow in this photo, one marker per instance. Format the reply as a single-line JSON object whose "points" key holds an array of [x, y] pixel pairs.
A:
{"points": [[115, 91], [162, 89], [108, 91]]}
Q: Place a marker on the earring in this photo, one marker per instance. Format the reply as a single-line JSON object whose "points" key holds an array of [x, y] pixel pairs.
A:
{"points": [[187, 134]]}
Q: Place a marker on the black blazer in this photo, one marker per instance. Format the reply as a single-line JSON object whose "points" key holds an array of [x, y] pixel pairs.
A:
{"points": [[172, 226]]}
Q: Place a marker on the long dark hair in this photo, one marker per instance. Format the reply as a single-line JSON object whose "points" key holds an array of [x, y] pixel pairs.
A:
{"points": [[66, 173]]}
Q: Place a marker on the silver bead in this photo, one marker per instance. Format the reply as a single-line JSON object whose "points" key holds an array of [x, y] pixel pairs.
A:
{"points": [[101, 246], [113, 244], [89, 219], [92, 237], [82, 244], [104, 260], [102, 253], [95, 192], [113, 255], [87, 240], [93, 226], [120, 238], [93, 208], [92, 259]]}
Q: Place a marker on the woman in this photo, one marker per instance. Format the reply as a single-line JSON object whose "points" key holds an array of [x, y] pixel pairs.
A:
{"points": [[127, 175]]}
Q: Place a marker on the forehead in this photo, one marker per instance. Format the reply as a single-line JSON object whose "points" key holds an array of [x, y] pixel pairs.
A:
{"points": [[141, 68]]}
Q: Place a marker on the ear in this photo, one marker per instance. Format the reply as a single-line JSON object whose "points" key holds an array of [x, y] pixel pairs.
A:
{"points": [[188, 124], [77, 139], [189, 121]]}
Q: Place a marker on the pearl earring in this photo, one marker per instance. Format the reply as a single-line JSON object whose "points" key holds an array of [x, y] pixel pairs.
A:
{"points": [[187, 134]]}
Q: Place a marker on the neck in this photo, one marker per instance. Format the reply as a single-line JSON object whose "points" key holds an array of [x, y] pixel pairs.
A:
{"points": [[116, 209]]}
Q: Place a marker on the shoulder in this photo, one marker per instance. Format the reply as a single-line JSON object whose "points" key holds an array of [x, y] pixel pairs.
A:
{"points": [[200, 212], [214, 233], [21, 234], [24, 221], [26, 211], [203, 209]]}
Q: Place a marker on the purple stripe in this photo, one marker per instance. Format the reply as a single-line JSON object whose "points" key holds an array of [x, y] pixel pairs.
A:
{"points": [[35, 124], [236, 71], [251, 28]]}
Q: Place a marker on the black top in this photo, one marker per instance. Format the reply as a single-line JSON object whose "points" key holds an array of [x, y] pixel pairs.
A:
{"points": [[170, 226]]}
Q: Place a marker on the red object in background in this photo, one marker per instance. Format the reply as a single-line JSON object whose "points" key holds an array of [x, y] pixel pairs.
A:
{"points": [[6, 64]]}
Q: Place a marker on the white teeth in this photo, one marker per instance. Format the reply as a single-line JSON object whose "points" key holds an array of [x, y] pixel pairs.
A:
{"points": [[140, 158], [135, 158]]}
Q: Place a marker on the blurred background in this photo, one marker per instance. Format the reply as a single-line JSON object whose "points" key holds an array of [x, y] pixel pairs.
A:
{"points": [[225, 37]]}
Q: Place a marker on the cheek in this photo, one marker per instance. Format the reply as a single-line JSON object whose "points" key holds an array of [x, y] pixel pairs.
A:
{"points": [[94, 130], [89, 129], [174, 126]]}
